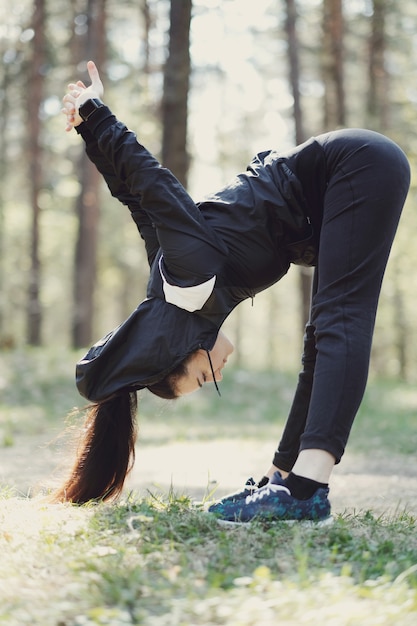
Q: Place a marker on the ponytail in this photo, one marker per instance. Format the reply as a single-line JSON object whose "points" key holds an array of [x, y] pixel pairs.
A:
{"points": [[107, 451]]}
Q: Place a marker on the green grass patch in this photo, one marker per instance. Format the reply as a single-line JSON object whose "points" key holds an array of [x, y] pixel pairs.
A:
{"points": [[160, 561], [36, 391], [387, 418]]}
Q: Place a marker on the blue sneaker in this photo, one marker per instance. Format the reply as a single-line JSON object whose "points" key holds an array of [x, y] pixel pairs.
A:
{"points": [[249, 489], [274, 503]]}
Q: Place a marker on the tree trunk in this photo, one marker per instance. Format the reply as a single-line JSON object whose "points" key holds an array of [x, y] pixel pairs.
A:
{"points": [[4, 118], [294, 69], [377, 101], [175, 94], [35, 94], [304, 274], [332, 65], [146, 15], [92, 46], [87, 210]]}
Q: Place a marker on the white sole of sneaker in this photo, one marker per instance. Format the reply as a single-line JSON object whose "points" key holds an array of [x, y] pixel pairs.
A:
{"points": [[328, 521]]}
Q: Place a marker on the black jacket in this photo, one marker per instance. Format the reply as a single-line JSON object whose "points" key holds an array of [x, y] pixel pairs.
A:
{"points": [[234, 244]]}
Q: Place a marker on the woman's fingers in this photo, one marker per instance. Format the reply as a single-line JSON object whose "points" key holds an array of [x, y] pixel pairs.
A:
{"points": [[69, 101], [78, 93], [94, 75]]}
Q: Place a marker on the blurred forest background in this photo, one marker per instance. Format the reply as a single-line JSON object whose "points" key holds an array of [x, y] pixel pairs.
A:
{"points": [[205, 84]]}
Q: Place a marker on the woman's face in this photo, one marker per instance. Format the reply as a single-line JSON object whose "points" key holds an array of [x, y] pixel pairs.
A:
{"points": [[198, 367]]}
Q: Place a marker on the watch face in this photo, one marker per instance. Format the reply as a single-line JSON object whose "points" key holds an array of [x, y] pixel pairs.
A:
{"points": [[88, 108]]}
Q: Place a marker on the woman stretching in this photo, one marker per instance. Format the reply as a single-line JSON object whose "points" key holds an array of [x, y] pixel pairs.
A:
{"points": [[334, 203]]}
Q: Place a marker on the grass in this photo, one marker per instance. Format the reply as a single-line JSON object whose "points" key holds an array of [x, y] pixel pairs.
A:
{"points": [[387, 418], [158, 560]]}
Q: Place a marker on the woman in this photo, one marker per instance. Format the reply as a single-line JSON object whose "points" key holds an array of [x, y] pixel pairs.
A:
{"points": [[333, 203]]}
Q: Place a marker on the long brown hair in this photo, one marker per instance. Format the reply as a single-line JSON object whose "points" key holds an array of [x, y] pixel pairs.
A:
{"points": [[106, 453]]}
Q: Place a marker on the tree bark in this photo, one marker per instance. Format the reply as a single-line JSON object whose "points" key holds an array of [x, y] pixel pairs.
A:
{"points": [[92, 46], [377, 101], [332, 65], [146, 15], [294, 68], [4, 118], [304, 274], [175, 94], [35, 95]]}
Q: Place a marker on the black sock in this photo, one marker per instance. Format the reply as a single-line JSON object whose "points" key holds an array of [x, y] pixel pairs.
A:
{"points": [[302, 488]]}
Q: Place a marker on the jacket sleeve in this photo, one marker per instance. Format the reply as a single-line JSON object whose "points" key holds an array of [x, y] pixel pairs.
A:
{"points": [[119, 190], [192, 252]]}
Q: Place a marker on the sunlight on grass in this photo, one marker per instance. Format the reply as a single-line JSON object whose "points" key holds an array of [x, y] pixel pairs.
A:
{"points": [[158, 561]]}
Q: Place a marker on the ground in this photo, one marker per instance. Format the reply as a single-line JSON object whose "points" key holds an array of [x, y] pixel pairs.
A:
{"points": [[384, 485]]}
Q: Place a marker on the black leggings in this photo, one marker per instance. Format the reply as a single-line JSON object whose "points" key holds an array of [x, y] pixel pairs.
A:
{"points": [[368, 179]]}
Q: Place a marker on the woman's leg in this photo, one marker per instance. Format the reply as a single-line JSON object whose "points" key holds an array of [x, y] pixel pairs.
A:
{"points": [[289, 446], [368, 184]]}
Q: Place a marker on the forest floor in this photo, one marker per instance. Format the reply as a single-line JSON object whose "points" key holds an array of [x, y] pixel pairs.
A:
{"points": [[152, 559], [384, 485], [159, 563]]}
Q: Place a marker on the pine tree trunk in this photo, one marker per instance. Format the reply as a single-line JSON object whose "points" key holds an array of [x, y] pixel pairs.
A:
{"points": [[377, 101], [4, 118], [93, 46], [304, 274], [332, 65], [294, 69], [175, 94], [35, 95]]}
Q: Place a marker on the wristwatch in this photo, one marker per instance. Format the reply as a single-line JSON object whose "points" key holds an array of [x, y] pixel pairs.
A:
{"points": [[89, 107]]}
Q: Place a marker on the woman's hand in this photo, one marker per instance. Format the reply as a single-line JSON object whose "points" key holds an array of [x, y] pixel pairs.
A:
{"points": [[78, 93]]}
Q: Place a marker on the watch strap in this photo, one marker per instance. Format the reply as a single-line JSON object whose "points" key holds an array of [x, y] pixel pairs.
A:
{"points": [[89, 107]]}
